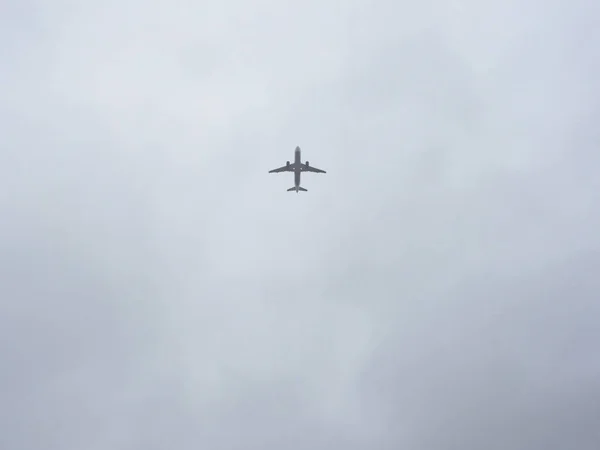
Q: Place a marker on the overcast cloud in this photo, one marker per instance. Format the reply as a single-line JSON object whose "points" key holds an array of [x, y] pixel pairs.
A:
{"points": [[437, 289]]}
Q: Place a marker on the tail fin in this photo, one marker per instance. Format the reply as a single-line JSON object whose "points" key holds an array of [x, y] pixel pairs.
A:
{"points": [[299, 189]]}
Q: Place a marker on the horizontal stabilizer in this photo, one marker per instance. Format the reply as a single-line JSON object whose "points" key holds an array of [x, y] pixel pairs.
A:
{"points": [[294, 189]]}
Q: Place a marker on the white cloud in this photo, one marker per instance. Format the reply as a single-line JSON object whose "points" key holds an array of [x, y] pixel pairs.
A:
{"points": [[161, 290]]}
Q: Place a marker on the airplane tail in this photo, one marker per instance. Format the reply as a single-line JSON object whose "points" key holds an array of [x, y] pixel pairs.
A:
{"points": [[299, 189]]}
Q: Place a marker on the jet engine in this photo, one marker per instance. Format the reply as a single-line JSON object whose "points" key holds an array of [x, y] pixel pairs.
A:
{"points": [[307, 163], [287, 163]]}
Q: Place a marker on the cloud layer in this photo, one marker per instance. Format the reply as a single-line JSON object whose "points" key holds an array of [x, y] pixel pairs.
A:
{"points": [[435, 289]]}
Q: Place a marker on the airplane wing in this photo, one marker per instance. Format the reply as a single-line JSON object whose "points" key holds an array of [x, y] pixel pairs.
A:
{"points": [[307, 168], [287, 168]]}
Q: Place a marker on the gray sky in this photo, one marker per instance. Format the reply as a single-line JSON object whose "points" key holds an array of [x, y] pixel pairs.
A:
{"points": [[437, 289]]}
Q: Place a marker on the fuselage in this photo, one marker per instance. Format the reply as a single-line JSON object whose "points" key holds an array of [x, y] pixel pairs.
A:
{"points": [[297, 168]]}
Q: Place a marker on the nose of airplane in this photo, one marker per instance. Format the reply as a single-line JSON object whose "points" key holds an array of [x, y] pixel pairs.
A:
{"points": [[297, 149]]}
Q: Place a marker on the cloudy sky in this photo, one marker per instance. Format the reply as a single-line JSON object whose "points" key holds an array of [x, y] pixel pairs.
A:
{"points": [[437, 289]]}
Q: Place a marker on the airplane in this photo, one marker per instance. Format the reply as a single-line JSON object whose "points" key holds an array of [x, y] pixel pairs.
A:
{"points": [[297, 167]]}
